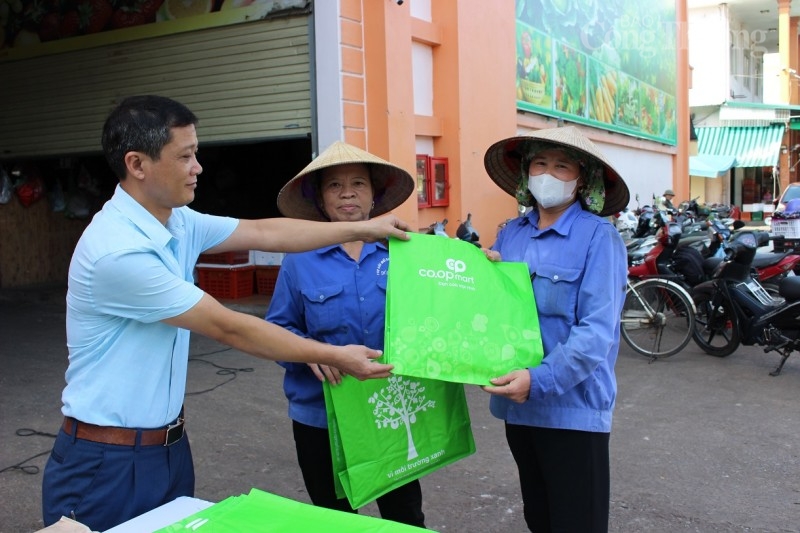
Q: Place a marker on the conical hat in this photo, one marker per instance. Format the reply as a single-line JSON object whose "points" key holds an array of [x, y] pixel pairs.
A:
{"points": [[391, 185], [503, 162]]}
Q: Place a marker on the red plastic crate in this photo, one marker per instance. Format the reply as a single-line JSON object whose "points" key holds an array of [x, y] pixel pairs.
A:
{"points": [[226, 282], [266, 276], [226, 258]]}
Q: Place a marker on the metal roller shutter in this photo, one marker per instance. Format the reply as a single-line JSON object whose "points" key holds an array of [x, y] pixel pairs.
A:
{"points": [[245, 82]]}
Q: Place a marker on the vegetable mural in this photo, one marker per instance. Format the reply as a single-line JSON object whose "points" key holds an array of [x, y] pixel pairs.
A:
{"points": [[610, 64]]}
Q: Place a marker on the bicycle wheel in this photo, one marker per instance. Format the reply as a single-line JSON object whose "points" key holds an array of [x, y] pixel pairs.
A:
{"points": [[657, 318], [714, 330]]}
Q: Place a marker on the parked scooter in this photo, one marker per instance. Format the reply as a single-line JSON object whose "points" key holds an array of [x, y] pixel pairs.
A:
{"points": [[668, 236], [733, 308], [670, 258], [466, 232], [437, 228], [643, 225], [690, 261], [626, 222], [768, 268]]}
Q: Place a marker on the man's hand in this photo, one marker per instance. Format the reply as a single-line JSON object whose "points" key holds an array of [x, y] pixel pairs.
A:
{"points": [[359, 362], [326, 373], [516, 386], [381, 228]]}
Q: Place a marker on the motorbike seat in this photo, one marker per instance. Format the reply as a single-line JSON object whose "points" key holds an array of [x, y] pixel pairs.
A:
{"points": [[633, 244], [766, 260], [789, 288]]}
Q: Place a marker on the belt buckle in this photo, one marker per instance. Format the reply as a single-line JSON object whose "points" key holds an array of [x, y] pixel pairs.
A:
{"points": [[174, 433]]}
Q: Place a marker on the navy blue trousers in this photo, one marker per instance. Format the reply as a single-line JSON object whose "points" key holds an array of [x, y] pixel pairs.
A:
{"points": [[103, 485], [564, 476]]}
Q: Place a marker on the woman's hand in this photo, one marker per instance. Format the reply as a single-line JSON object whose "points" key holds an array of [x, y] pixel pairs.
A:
{"points": [[491, 255], [516, 386]]}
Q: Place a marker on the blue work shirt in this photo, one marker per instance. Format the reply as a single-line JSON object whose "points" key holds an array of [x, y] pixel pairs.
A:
{"points": [[579, 269], [327, 296], [129, 272]]}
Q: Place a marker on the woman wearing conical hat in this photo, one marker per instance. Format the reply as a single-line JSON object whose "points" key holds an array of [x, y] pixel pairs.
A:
{"points": [[337, 294], [558, 415]]}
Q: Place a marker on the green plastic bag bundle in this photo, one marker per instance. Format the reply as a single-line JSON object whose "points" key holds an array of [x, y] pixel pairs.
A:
{"points": [[451, 314], [387, 432], [261, 511]]}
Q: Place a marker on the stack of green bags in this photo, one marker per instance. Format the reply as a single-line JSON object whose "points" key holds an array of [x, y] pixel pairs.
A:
{"points": [[261, 511]]}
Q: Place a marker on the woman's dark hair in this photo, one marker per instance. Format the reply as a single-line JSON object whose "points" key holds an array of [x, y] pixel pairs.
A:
{"points": [[142, 124]]}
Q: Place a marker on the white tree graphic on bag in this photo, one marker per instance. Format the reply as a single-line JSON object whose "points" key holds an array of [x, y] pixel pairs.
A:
{"points": [[400, 402]]}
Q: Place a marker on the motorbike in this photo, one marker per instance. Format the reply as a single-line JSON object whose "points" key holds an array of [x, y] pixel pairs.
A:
{"points": [[437, 228], [733, 308], [692, 207], [643, 224], [769, 268], [662, 259], [626, 222], [725, 211], [690, 261], [466, 232], [668, 236]]}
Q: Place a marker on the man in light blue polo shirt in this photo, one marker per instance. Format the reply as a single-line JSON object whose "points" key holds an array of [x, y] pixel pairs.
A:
{"points": [[131, 303]]}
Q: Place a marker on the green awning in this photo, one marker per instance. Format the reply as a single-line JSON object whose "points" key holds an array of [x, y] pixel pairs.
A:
{"points": [[752, 146], [710, 166]]}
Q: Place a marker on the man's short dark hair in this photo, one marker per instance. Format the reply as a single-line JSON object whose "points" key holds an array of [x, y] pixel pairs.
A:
{"points": [[142, 124]]}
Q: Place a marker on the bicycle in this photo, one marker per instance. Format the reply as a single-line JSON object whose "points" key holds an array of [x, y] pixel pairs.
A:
{"points": [[658, 317]]}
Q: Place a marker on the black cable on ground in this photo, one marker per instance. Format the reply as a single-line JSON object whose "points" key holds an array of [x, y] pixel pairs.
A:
{"points": [[27, 432], [223, 371], [28, 469]]}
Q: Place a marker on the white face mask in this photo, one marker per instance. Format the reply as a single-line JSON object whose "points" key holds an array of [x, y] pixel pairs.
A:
{"points": [[550, 191]]}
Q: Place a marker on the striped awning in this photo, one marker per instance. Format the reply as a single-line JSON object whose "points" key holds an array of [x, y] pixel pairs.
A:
{"points": [[710, 166], [752, 146]]}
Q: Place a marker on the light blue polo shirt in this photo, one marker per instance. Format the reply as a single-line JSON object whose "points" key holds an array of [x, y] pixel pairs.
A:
{"points": [[129, 272]]}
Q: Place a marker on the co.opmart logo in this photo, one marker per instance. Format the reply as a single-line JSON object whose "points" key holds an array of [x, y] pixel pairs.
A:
{"points": [[456, 265], [452, 272]]}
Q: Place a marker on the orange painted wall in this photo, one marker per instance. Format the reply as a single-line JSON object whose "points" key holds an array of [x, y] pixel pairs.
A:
{"points": [[390, 100], [471, 104], [474, 94]]}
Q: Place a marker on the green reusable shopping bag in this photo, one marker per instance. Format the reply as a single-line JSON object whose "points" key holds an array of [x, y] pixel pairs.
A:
{"points": [[261, 511], [451, 314], [387, 432]]}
